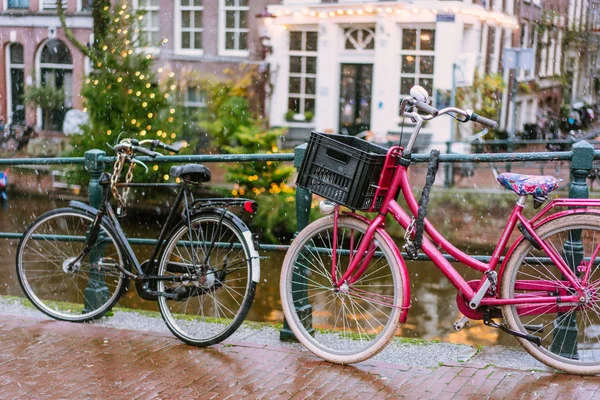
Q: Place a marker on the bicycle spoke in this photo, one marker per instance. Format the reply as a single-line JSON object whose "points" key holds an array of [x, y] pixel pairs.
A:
{"points": [[44, 251]]}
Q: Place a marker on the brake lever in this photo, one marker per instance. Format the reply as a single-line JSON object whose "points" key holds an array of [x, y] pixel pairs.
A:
{"points": [[136, 161]]}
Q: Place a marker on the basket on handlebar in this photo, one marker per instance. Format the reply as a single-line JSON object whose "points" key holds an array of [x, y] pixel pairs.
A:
{"points": [[342, 168]]}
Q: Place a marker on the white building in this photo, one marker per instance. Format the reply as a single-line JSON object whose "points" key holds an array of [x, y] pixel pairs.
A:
{"points": [[350, 63]]}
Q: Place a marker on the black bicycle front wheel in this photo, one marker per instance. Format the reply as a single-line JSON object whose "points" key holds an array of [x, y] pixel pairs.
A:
{"points": [[52, 279], [215, 269]]}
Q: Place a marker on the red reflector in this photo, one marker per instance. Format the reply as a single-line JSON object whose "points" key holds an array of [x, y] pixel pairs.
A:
{"points": [[250, 206]]}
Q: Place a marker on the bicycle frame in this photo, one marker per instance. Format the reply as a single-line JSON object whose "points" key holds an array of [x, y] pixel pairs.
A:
{"points": [[399, 184], [107, 214]]}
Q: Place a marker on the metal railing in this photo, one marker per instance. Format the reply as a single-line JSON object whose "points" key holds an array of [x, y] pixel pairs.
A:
{"points": [[95, 162], [581, 157]]}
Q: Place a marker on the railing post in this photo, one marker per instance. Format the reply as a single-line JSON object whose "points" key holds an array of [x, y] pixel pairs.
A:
{"points": [[564, 340], [303, 200], [96, 293], [449, 167]]}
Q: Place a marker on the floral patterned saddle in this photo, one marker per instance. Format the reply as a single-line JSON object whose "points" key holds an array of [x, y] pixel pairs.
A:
{"points": [[523, 185]]}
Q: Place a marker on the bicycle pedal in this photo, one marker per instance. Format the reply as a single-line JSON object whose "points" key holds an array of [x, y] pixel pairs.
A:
{"points": [[462, 323]]}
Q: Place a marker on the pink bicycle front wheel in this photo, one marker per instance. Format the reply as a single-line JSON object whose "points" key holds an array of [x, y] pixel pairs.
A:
{"points": [[346, 324]]}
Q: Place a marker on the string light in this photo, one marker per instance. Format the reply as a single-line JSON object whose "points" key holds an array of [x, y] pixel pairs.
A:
{"points": [[500, 18]]}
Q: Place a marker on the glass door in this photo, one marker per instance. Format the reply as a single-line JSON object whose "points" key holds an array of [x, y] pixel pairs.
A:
{"points": [[355, 98]]}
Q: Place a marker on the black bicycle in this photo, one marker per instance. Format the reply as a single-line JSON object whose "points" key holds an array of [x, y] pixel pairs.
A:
{"points": [[75, 263]]}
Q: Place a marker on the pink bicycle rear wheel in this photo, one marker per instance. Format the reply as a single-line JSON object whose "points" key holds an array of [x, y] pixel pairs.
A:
{"points": [[570, 332]]}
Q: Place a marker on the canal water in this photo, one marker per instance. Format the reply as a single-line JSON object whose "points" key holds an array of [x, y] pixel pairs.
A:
{"points": [[431, 316]]}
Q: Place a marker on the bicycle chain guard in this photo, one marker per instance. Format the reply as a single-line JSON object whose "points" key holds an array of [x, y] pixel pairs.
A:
{"points": [[477, 314]]}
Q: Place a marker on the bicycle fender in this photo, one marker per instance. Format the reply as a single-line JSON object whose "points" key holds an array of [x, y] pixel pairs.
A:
{"points": [[237, 221], [82, 206], [402, 264], [536, 226]]}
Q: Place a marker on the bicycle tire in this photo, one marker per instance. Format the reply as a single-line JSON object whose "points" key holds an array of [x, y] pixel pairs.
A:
{"points": [[55, 289], [232, 266], [557, 349], [349, 341]]}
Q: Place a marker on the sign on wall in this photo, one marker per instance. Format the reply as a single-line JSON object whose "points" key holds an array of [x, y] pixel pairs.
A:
{"points": [[445, 18], [465, 69]]}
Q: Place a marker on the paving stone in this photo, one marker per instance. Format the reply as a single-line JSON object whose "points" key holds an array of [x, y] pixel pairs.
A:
{"points": [[57, 360]]}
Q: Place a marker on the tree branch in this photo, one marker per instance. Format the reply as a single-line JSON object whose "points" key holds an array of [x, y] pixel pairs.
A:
{"points": [[69, 33]]}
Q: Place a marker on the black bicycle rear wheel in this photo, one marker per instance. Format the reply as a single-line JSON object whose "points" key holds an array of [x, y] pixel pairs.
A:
{"points": [[216, 270]]}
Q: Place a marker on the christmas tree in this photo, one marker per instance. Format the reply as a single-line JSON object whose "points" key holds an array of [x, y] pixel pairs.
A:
{"points": [[124, 96]]}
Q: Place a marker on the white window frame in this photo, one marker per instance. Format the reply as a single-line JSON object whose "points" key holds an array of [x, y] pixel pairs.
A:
{"points": [[80, 7], [9, 67], [193, 104], [5, 6], [179, 28], [495, 48], [544, 55], [144, 30], [369, 29], [38, 75], [302, 96], [417, 53], [50, 5], [222, 19]]}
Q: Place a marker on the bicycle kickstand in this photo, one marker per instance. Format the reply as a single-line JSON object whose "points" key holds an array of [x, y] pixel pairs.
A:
{"points": [[488, 321]]}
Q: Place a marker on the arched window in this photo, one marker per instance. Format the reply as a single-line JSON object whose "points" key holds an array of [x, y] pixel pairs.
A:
{"points": [[56, 69], [359, 39], [16, 82]]}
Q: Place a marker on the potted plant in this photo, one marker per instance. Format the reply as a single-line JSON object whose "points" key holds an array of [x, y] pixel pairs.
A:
{"points": [[46, 97]]}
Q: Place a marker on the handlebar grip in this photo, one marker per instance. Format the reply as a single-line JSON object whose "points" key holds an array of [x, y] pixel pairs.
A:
{"points": [[143, 150], [427, 108], [171, 148], [161, 145], [483, 121]]}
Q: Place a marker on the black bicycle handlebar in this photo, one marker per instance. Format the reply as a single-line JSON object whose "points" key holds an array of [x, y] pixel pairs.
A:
{"points": [[161, 145], [143, 150], [138, 147]]}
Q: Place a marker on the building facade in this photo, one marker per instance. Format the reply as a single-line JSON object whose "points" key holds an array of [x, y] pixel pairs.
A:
{"points": [[205, 36], [581, 67], [344, 67]]}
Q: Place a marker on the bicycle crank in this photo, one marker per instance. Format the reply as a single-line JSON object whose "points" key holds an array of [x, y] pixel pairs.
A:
{"points": [[488, 321]]}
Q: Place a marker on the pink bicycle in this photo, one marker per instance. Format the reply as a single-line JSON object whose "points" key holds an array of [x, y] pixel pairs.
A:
{"points": [[344, 282]]}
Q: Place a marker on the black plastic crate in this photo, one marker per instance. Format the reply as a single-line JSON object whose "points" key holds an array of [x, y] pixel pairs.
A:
{"points": [[342, 168]]}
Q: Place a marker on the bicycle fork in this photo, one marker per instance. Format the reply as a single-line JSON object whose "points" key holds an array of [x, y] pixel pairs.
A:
{"points": [[358, 259]]}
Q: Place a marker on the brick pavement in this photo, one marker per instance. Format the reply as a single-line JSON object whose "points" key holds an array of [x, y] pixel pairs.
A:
{"points": [[50, 359]]}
